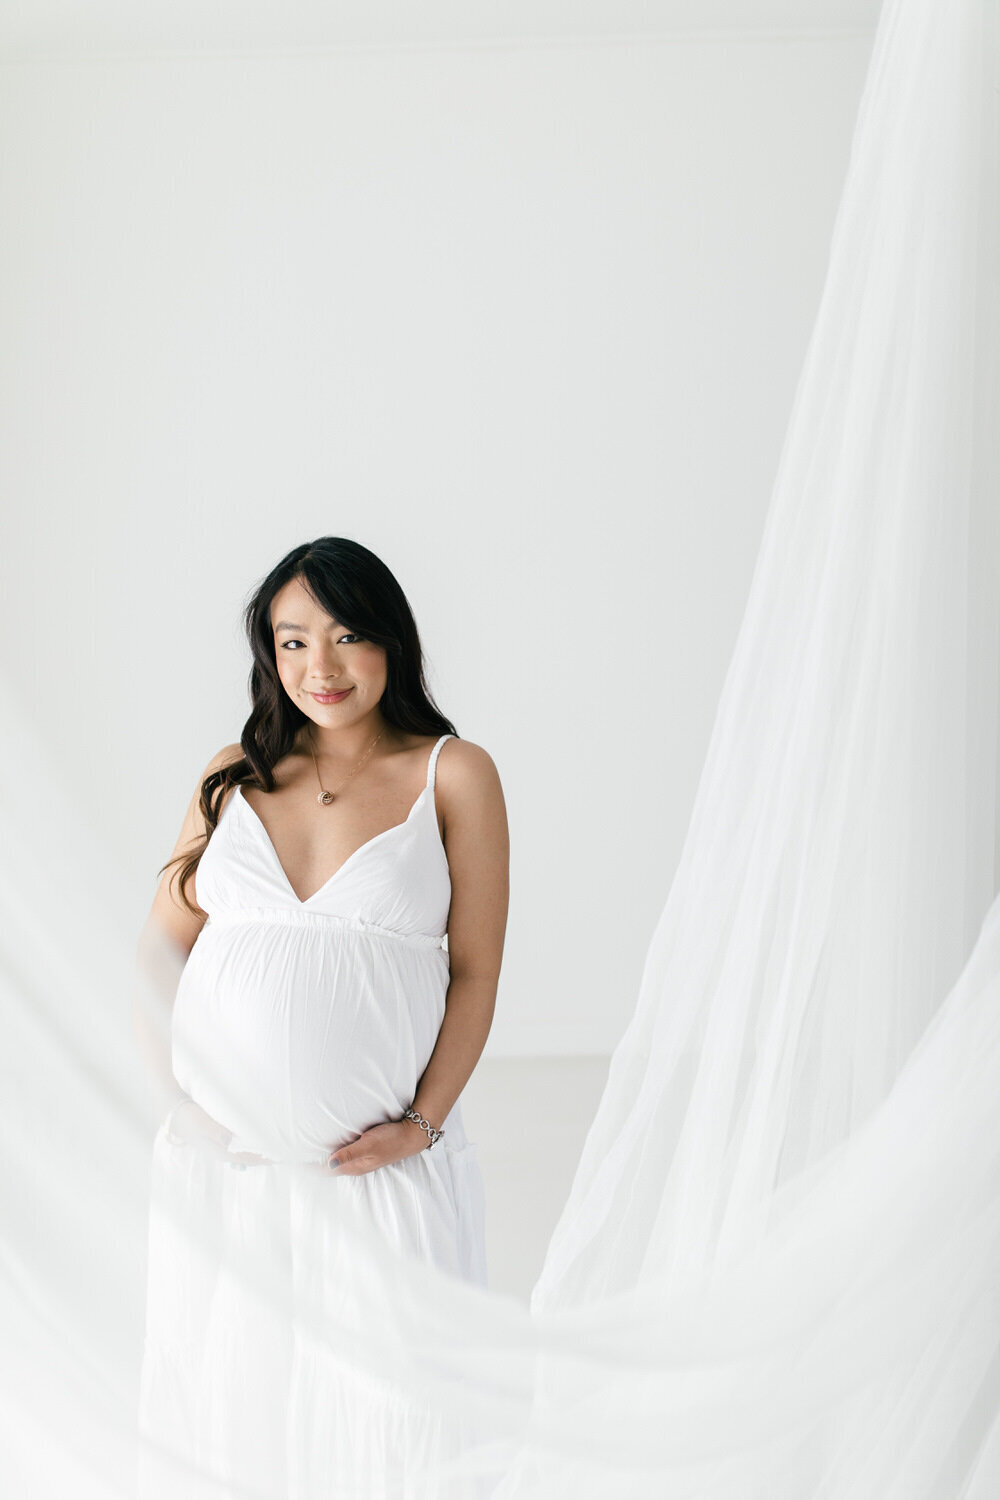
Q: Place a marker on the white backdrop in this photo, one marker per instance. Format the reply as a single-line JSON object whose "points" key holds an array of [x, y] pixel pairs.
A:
{"points": [[524, 319]]}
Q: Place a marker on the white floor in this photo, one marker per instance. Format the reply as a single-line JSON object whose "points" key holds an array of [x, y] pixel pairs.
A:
{"points": [[529, 1117]]}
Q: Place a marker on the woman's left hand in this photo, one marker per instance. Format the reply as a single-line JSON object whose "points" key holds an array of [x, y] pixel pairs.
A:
{"points": [[377, 1147]]}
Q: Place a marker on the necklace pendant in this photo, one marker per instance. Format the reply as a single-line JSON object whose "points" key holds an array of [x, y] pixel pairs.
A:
{"points": [[325, 798]]}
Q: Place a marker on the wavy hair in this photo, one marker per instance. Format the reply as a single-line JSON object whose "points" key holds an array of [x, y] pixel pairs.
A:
{"points": [[356, 588]]}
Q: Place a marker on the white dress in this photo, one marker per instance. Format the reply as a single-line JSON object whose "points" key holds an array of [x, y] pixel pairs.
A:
{"points": [[298, 1025]]}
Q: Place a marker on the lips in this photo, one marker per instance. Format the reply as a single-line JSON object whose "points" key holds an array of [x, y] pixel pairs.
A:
{"points": [[336, 697]]}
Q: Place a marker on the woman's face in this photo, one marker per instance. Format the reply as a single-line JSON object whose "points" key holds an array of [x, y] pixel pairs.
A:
{"points": [[318, 658]]}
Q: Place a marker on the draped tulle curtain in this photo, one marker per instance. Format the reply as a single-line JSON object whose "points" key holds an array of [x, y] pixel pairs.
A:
{"points": [[842, 848], [774, 1276]]}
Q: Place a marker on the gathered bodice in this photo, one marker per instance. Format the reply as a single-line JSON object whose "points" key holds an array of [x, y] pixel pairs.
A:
{"points": [[397, 881]]}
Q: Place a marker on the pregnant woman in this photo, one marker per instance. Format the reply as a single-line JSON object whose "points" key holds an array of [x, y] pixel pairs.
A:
{"points": [[338, 896]]}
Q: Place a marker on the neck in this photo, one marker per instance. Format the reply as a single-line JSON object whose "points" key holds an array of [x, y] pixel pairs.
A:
{"points": [[348, 744]]}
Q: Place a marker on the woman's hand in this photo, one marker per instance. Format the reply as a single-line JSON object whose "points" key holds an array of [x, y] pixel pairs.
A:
{"points": [[190, 1125], [377, 1147]]}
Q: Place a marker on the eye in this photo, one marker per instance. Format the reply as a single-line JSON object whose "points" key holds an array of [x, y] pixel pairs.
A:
{"points": [[350, 637]]}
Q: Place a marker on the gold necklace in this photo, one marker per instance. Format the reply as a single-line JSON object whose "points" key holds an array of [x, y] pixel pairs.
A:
{"points": [[325, 797]]}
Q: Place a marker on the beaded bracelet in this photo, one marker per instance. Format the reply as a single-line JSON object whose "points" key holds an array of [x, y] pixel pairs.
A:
{"points": [[435, 1135]]}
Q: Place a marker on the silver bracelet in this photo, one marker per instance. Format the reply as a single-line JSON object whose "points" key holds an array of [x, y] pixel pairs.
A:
{"points": [[435, 1135]]}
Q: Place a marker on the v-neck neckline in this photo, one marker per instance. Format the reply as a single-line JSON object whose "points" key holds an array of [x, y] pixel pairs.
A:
{"points": [[375, 839]]}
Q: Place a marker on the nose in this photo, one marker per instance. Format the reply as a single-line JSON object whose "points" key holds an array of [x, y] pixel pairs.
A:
{"points": [[324, 666]]}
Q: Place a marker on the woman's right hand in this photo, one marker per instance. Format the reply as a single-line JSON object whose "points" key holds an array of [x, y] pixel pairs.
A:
{"points": [[188, 1124]]}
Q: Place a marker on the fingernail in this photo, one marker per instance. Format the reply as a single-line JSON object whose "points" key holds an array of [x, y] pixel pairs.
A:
{"points": [[334, 1161]]}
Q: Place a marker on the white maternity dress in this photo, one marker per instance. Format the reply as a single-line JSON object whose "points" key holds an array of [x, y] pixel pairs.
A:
{"points": [[298, 1025]]}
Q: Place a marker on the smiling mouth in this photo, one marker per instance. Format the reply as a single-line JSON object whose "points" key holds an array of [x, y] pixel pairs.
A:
{"points": [[328, 697]]}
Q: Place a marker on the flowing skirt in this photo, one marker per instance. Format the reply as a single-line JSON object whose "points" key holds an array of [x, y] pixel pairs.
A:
{"points": [[251, 1385]]}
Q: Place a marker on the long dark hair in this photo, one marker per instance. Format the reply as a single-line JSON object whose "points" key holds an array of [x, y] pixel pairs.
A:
{"points": [[358, 590]]}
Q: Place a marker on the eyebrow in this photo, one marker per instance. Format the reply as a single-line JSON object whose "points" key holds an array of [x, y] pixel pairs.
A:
{"points": [[304, 629]]}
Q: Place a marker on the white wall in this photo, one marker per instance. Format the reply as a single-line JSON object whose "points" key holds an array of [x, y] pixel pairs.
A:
{"points": [[525, 320]]}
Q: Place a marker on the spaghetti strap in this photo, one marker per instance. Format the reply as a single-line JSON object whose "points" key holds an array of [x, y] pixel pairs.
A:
{"points": [[432, 763]]}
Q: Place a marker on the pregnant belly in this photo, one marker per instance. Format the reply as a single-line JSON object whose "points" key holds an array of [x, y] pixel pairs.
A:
{"points": [[299, 1039]]}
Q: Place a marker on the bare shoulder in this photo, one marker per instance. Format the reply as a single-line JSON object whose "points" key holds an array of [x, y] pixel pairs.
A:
{"points": [[167, 910], [467, 768], [469, 789], [194, 826], [226, 757]]}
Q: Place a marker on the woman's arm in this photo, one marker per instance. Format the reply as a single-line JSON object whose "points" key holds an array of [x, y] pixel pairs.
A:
{"points": [[477, 843], [164, 945]]}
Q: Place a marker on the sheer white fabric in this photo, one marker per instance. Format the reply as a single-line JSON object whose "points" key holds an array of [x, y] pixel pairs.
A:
{"points": [[775, 1273], [841, 851]]}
